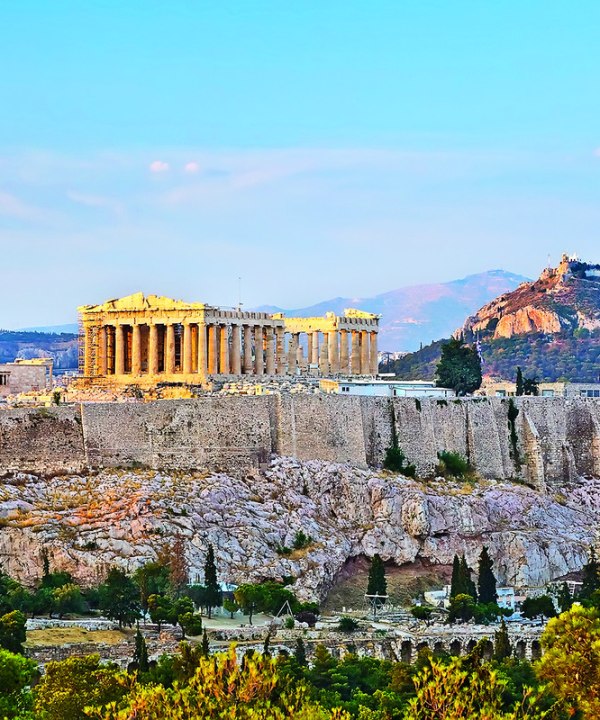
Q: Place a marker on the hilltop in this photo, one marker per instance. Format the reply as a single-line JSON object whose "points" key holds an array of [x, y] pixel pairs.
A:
{"points": [[549, 327]]}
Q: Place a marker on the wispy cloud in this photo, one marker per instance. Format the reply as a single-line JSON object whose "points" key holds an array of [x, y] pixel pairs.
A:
{"points": [[97, 201], [13, 207], [159, 166]]}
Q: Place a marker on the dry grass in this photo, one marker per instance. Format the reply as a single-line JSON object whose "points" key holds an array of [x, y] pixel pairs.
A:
{"points": [[66, 636]]}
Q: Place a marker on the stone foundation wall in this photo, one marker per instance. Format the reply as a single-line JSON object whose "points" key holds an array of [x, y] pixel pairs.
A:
{"points": [[557, 438]]}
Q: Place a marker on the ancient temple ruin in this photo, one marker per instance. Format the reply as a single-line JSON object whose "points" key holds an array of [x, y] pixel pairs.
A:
{"points": [[151, 339]]}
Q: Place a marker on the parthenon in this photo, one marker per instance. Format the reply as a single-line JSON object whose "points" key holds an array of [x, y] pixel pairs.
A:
{"points": [[152, 339]]}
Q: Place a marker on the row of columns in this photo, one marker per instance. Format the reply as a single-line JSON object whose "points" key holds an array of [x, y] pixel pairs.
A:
{"points": [[225, 349]]}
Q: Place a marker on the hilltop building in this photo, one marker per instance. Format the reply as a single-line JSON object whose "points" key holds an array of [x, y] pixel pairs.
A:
{"points": [[21, 376], [151, 339]]}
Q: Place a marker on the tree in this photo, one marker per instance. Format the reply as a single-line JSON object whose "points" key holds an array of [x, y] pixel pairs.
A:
{"points": [[16, 675], [456, 584], [591, 576], [68, 686], [571, 661], [542, 605], [462, 607], [486, 583], [13, 631], [565, 600], [249, 597], [347, 624], [531, 386], [459, 367], [300, 653], [519, 383], [152, 578], [119, 598], [172, 556], [140, 655], [205, 645], [502, 646], [67, 599], [377, 584], [160, 608], [421, 612], [231, 606], [214, 595], [467, 583]]}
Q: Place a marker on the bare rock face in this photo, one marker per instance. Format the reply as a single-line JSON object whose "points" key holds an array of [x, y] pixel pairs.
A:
{"points": [[563, 298], [88, 524]]}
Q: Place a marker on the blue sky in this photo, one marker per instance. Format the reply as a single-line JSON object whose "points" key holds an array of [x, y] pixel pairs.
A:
{"points": [[314, 149]]}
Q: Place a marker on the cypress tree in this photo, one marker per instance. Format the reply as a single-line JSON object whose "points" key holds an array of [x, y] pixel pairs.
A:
{"points": [[519, 383], [486, 581], [140, 654], [502, 646], [205, 646], [591, 576], [565, 601], [466, 583], [455, 584], [377, 584], [213, 591]]}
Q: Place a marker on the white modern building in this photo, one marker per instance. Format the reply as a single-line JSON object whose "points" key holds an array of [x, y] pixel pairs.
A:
{"points": [[386, 388]]}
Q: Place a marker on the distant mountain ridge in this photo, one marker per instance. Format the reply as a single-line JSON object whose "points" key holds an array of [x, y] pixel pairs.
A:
{"points": [[420, 313]]}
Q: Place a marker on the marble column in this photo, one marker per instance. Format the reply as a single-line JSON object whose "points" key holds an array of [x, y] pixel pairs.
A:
{"points": [[202, 350], [258, 350], [280, 350], [248, 366], [102, 358], [292, 353], [136, 350], [186, 351], [119, 350], [365, 367], [355, 358], [300, 362], [270, 351], [213, 349], [314, 340], [224, 350], [334, 355], [344, 359], [88, 341], [374, 360], [170, 349], [236, 350], [153, 349], [324, 358]]}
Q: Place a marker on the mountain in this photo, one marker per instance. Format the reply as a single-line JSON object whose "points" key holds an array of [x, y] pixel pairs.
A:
{"points": [[420, 313], [68, 328], [549, 327], [562, 299], [22, 344]]}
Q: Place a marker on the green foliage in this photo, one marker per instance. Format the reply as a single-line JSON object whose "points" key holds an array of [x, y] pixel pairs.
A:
{"points": [[519, 382], [16, 675], [300, 653], [590, 576], [395, 461], [67, 599], [347, 624], [541, 606], [68, 686], [486, 583], [13, 631], [453, 465], [502, 646], [565, 600], [571, 661], [152, 578], [119, 598], [301, 540], [214, 596], [231, 606], [459, 367], [421, 612], [461, 583], [377, 584], [140, 655], [267, 597], [462, 607]]}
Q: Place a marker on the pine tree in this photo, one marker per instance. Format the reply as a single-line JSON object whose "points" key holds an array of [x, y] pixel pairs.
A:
{"points": [[520, 386], [455, 584], [140, 655], [300, 653], [502, 646], [213, 591], [377, 584], [591, 576], [487, 581]]}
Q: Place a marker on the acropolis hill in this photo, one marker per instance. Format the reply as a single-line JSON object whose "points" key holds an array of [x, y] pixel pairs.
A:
{"points": [[146, 340]]}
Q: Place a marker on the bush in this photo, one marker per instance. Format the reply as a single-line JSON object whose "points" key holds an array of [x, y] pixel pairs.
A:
{"points": [[421, 612], [395, 460], [452, 464], [347, 624], [306, 617], [301, 540]]}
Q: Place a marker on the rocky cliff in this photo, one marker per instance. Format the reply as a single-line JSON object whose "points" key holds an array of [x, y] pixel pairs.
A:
{"points": [[565, 298], [89, 522]]}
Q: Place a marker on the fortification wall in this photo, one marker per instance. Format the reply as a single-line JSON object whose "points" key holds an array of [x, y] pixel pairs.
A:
{"points": [[556, 438]]}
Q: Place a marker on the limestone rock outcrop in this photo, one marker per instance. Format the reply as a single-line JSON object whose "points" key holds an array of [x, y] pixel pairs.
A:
{"points": [[88, 523], [564, 298]]}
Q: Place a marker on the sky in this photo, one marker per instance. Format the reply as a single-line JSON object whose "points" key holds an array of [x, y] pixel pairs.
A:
{"points": [[312, 149]]}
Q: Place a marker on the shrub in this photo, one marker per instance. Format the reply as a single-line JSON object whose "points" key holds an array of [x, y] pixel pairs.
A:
{"points": [[452, 464], [301, 540], [347, 624], [395, 460]]}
